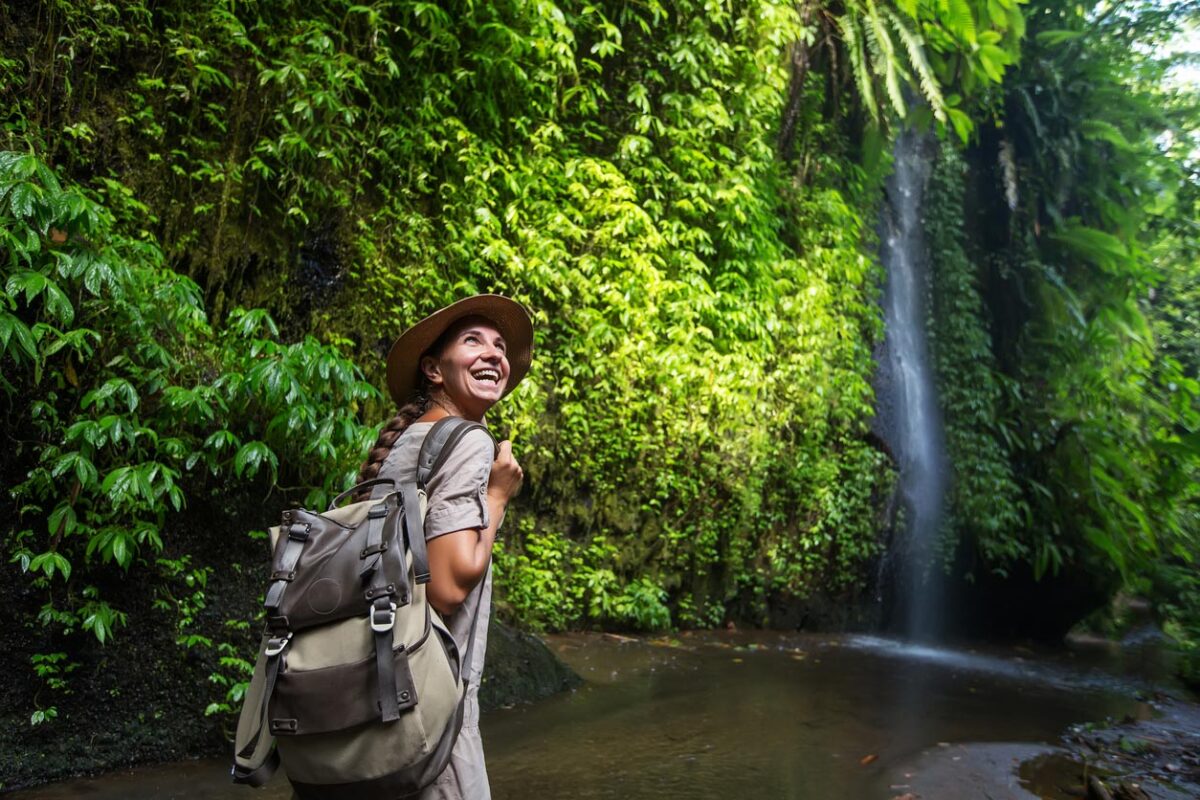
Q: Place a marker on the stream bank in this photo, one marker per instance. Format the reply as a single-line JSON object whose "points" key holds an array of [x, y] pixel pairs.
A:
{"points": [[125, 727], [715, 714]]}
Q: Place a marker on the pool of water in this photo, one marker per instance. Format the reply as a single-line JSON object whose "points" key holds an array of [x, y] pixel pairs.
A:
{"points": [[722, 714]]}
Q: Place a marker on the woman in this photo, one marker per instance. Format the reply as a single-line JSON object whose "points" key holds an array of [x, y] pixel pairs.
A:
{"points": [[458, 362]]}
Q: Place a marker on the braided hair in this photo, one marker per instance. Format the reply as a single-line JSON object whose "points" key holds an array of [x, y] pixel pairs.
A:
{"points": [[406, 415]]}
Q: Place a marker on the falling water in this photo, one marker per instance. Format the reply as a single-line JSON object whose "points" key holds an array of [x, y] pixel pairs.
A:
{"points": [[911, 419]]}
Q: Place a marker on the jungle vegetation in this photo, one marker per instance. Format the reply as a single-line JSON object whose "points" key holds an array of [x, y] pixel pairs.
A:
{"points": [[216, 215]]}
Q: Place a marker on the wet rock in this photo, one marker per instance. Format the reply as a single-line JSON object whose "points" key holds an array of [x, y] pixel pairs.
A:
{"points": [[520, 669], [1097, 790], [1130, 791]]}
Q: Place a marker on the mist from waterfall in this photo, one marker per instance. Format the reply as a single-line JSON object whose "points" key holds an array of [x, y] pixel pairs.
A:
{"points": [[912, 422]]}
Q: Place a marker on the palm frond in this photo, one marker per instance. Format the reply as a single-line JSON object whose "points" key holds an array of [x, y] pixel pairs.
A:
{"points": [[960, 20]]}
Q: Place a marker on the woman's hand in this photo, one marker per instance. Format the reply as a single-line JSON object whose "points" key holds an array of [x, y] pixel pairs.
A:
{"points": [[507, 475]]}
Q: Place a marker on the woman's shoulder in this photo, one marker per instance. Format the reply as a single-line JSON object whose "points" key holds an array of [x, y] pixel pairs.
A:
{"points": [[474, 452], [475, 445], [414, 434]]}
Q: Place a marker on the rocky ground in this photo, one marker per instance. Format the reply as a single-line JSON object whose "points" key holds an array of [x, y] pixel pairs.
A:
{"points": [[1137, 759], [1131, 759]]}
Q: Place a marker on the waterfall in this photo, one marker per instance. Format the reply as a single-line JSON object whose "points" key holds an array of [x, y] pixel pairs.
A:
{"points": [[909, 419]]}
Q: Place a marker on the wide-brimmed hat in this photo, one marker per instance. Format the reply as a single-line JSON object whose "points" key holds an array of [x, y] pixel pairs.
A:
{"points": [[509, 317]]}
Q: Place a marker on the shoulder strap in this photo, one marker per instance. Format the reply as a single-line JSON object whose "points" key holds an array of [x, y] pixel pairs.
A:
{"points": [[441, 440], [439, 443]]}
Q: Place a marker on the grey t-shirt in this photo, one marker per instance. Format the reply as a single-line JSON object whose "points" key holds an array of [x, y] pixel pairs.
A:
{"points": [[457, 500]]}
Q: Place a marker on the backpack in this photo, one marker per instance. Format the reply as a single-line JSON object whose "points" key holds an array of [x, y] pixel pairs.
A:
{"points": [[358, 688]]}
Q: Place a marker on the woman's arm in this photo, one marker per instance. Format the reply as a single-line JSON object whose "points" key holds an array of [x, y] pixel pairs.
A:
{"points": [[458, 560]]}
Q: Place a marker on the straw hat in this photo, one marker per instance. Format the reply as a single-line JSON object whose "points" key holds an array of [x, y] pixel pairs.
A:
{"points": [[509, 317]]}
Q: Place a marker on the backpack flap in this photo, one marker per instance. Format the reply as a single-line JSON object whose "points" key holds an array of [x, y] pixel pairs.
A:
{"points": [[324, 570]]}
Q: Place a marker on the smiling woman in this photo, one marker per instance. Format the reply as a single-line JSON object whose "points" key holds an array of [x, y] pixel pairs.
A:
{"points": [[458, 362]]}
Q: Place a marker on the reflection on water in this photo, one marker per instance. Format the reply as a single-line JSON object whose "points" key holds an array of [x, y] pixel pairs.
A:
{"points": [[712, 715]]}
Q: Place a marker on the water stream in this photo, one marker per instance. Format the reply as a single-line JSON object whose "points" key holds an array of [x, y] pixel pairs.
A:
{"points": [[718, 715], [909, 417]]}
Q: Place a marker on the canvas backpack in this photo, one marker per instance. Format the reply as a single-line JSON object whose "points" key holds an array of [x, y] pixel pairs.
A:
{"points": [[358, 688]]}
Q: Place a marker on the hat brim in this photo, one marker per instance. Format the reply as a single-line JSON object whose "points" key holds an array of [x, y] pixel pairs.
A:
{"points": [[509, 317]]}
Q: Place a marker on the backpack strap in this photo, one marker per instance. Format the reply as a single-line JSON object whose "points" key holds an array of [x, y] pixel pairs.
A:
{"points": [[383, 524], [438, 444], [358, 487], [441, 440]]}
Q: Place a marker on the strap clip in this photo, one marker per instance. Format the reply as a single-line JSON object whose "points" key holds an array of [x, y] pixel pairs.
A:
{"points": [[383, 624], [276, 644], [298, 532]]}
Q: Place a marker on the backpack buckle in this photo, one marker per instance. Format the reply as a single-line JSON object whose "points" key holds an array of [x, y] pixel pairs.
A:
{"points": [[382, 625], [276, 644]]}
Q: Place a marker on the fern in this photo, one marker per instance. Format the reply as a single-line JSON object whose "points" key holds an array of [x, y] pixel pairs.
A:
{"points": [[858, 64], [890, 62], [920, 64], [960, 20]]}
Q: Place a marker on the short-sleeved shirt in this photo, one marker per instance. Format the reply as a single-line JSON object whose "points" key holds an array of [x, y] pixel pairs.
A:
{"points": [[457, 500]]}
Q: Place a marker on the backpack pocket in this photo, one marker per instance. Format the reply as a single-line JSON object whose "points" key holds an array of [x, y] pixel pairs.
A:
{"points": [[336, 698]]}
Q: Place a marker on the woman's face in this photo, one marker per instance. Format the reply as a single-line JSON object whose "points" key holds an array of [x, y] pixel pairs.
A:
{"points": [[472, 368]]}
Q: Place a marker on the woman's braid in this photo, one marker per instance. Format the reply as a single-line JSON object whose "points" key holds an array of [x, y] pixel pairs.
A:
{"points": [[405, 416]]}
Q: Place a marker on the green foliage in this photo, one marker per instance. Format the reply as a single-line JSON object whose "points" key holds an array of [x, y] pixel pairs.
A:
{"points": [[126, 395], [232, 674], [704, 324], [983, 503], [1099, 419], [553, 583]]}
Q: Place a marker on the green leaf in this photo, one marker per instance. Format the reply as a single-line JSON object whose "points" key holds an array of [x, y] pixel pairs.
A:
{"points": [[61, 520], [1090, 244], [121, 485], [21, 199], [1054, 38], [58, 305], [1098, 129], [12, 329], [251, 456], [51, 563], [27, 281]]}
